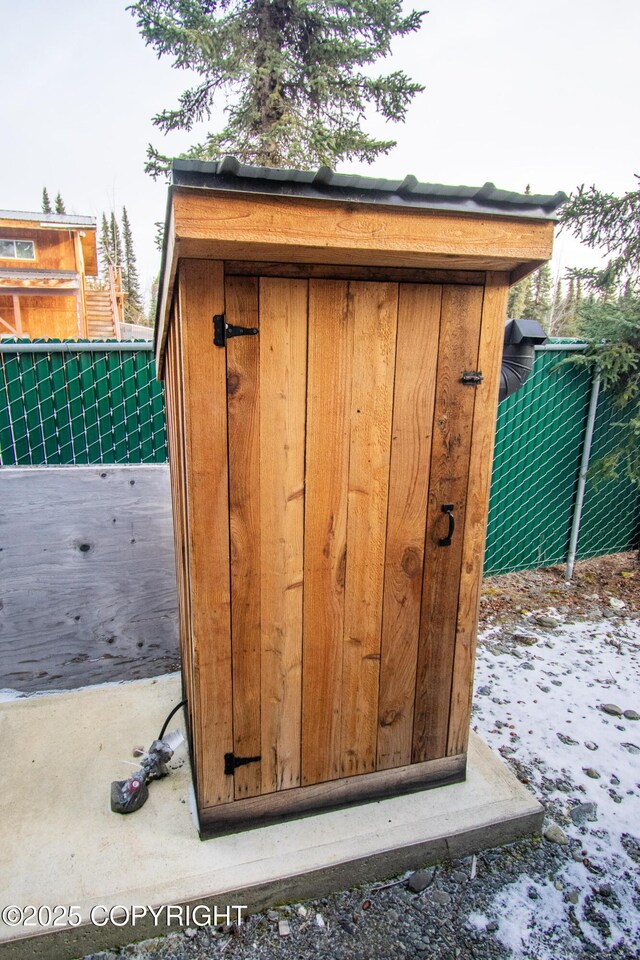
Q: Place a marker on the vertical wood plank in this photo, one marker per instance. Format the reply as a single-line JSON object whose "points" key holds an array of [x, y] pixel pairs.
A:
{"points": [[415, 381], [243, 392], [178, 376], [201, 293], [327, 474], [375, 313], [173, 389], [172, 445], [458, 351], [283, 383], [494, 311]]}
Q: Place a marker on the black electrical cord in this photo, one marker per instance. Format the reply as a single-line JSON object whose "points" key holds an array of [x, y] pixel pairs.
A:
{"points": [[182, 703]]}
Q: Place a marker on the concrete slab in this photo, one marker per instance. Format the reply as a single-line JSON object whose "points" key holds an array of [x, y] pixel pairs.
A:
{"points": [[61, 845]]}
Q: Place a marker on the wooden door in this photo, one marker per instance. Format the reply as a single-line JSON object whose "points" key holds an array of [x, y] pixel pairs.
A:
{"points": [[349, 431]]}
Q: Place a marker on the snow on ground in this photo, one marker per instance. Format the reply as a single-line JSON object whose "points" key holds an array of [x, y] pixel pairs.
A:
{"points": [[539, 696]]}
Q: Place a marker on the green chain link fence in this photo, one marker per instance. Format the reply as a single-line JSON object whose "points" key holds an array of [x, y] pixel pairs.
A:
{"points": [[79, 403], [539, 443], [94, 403]]}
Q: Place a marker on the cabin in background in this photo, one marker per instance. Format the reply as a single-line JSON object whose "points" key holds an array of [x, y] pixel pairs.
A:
{"points": [[49, 285]]}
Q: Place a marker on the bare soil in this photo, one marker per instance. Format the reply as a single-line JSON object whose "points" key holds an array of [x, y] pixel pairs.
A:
{"points": [[595, 583]]}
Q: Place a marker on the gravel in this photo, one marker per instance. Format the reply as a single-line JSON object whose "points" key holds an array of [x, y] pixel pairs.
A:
{"points": [[454, 919]]}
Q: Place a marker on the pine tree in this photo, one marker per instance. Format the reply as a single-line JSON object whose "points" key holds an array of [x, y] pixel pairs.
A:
{"points": [[46, 202], [556, 323], [608, 317], [153, 307], [611, 224], [541, 299], [115, 241], [130, 278], [60, 207], [518, 296], [294, 75], [104, 248]]}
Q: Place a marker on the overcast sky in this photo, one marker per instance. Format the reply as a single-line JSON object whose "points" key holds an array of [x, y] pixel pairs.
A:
{"points": [[517, 93]]}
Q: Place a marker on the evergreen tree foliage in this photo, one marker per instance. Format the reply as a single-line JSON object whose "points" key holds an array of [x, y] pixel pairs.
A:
{"points": [[46, 202], [531, 296], [115, 242], [611, 224], [130, 278], [609, 316], [540, 307], [294, 76], [104, 247], [60, 207], [518, 296]]}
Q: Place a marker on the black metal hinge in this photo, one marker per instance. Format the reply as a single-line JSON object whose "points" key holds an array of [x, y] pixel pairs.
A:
{"points": [[472, 377], [231, 762], [222, 330]]}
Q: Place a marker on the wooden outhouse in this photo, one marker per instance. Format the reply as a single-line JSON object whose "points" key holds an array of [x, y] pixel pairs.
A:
{"points": [[331, 347]]}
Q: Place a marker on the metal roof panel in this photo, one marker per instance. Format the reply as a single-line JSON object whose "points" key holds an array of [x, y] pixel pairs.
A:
{"points": [[229, 174], [46, 219]]}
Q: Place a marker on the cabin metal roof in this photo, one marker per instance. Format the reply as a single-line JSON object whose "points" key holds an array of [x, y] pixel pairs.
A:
{"points": [[229, 174], [49, 219]]}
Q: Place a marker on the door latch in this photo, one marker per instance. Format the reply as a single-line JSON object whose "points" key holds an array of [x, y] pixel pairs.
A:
{"points": [[222, 330], [472, 377], [231, 762]]}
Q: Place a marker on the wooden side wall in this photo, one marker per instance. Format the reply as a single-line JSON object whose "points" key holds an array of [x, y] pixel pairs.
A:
{"points": [[54, 316], [54, 249]]}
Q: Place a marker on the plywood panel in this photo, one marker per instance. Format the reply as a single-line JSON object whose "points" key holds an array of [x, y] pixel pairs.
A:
{"points": [[415, 381], [55, 317], [484, 427], [201, 293], [283, 365], [375, 311], [327, 471], [243, 392], [458, 351], [88, 576]]}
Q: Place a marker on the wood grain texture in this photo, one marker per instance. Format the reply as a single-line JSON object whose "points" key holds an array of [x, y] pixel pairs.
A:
{"points": [[333, 271], [327, 473], [301, 230], [264, 249], [294, 222], [88, 586], [320, 797], [174, 444], [523, 270], [458, 351], [494, 310], [201, 293], [415, 380], [375, 313], [243, 399], [283, 383], [189, 679]]}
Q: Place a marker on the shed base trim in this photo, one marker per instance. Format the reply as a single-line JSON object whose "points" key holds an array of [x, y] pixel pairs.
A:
{"points": [[321, 797]]}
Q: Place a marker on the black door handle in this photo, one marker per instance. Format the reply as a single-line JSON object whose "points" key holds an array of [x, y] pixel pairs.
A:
{"points": [[446, 541]]}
